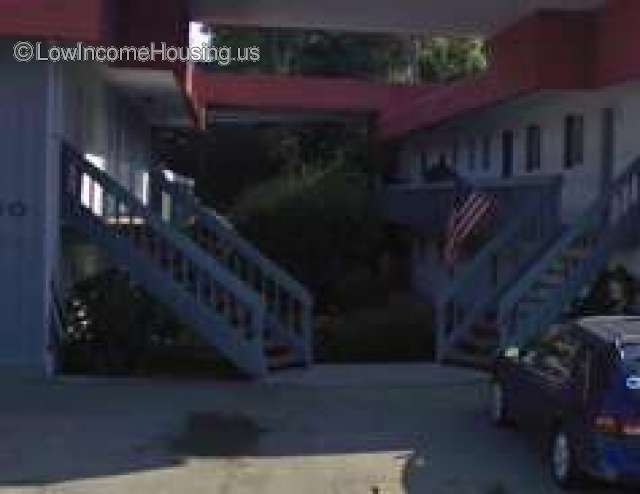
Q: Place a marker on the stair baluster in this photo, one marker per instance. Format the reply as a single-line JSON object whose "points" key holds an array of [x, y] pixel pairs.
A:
{"points": [[235, 323], [216, 237]]}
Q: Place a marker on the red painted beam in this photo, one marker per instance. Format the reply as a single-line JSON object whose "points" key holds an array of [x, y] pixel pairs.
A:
{"points": [[550, 50], [299, 93], [618, 46], [68, 20], [142, 22]]}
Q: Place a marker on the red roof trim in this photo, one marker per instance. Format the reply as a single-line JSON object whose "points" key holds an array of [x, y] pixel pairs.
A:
{"points": [[550, 50], [299, 93]]}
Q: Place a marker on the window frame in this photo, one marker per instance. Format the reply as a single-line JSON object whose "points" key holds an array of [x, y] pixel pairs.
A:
{"points": [[472, 154], [574, 130], [487, 142], [455, 153], [544, 348], [533, 148]]}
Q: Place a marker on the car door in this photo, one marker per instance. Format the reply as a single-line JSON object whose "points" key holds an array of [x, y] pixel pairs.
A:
{"points": [[580, 413], [546, 374], [523, 382], [556, 373]]}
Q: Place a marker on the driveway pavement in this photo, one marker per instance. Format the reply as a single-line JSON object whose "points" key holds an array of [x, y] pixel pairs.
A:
{"points": [[335, 429]]}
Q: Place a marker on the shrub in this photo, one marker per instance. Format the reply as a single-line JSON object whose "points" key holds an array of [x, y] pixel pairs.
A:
{"points": [[322, 228], [398, 330], [113, 327]]}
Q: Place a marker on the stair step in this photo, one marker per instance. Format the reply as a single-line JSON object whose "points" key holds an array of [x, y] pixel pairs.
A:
{"points": [[577, 253], [523, 312], [549, 282], [126, 221], [532, 300], [276, 349], [486, 329], [552, 279], [481, 343], [460, 358], [280, 356], [163, 258]]}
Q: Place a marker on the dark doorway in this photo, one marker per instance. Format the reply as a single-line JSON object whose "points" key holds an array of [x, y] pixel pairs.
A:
{"points": [[608, 147], [507, 154]]}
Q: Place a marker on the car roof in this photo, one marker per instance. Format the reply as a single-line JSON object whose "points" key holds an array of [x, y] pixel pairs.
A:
{"points": [[612, 329]]}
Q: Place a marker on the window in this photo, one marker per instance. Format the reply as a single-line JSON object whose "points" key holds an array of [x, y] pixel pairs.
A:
{"points": [[92, 193], [486, 153], [573, 141], [534, 148], [557, 353], [508, 138], [424, 159], [424, 164], [454, 157], [472, 154]]}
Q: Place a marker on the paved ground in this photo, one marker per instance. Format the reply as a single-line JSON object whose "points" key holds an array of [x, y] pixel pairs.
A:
{"points": [[356, 429]]}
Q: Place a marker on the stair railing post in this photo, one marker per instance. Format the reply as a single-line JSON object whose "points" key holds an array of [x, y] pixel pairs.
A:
{"points": [[64, 181], [440, 319], [307, 328]]}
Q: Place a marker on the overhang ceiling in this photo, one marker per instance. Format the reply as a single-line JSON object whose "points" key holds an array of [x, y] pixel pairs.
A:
{"points": [[479, 17], [156, 93]]}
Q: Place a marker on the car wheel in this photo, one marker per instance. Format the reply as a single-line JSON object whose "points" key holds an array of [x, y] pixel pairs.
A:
{"points": [[499, 415], [562, 459]]}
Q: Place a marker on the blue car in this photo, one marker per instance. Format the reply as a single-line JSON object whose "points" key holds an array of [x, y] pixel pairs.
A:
{"points": [[579, 384]]}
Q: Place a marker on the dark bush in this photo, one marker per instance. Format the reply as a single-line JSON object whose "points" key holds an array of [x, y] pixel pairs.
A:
{"points": [[113, 327], [399, 330]]}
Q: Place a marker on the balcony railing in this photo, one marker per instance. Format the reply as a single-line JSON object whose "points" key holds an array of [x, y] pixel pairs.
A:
{"points": [[425, 208]]}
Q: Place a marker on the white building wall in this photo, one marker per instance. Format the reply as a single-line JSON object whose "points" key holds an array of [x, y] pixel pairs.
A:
{"points": [[583, 183], [41, 105], [28, 213], [99, 120]]}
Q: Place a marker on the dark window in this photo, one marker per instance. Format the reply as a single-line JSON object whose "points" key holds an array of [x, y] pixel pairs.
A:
{"points": [[486, 152], [472, 154], [573, 141], [454, 158], [507, 154], [603, 364], [424, 159], [555, 354], [534, 148], [424, 164]]}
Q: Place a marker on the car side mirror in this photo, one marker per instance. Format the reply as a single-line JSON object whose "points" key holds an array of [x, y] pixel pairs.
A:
{"points": [[512, 353]]}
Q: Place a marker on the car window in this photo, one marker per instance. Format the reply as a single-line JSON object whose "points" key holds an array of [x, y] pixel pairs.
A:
{"points": [[557, 353], [533, 352], [603, 364], [583, 373], [631, 357]]}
